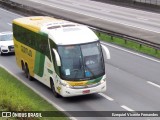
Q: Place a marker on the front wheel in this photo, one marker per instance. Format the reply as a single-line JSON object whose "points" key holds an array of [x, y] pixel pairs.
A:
{"points": [[53, 90]]}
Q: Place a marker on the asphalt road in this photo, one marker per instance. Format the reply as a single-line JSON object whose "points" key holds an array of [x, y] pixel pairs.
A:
{"points": [[133, 82], [128, 21]]}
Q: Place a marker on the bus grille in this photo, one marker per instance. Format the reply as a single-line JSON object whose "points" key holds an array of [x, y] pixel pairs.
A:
{"points": [[87, 86]]}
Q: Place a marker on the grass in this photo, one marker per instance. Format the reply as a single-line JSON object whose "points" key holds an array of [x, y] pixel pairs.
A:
{"points": [[129, 44], [15, 96]]}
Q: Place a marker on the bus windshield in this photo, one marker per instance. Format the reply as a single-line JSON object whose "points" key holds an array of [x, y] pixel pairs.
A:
{"points": [[81, 62]]}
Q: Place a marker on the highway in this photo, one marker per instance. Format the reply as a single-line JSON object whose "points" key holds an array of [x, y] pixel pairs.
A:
{"points": [[133, 82], [128, 21]]}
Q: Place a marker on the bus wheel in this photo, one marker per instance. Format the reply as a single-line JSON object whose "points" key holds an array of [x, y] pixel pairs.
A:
{"points": [[53, 89], [22, 64], [27, 74]]}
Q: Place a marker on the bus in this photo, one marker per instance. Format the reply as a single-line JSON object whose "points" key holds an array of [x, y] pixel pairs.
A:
{"points": [[65, 56]]}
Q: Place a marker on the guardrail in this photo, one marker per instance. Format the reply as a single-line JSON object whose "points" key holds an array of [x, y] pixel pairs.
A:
{"points": [[33, 11], [154, 2], [128, 38], [130, 42]]}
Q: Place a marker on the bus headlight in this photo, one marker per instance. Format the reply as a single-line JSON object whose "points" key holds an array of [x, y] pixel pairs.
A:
{"points": [[68, 86], [64, 84], [103, 80]]}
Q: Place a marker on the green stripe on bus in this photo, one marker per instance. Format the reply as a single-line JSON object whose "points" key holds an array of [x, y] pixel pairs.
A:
{"points": [[94, 81], [39, 64]]}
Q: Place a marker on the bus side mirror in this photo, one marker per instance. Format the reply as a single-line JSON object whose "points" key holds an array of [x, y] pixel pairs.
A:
{"points": [[57, 57], [106, 51]]}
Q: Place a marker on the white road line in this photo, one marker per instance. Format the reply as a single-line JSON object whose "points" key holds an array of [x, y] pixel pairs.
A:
{"points": [[10, 12], [138, 54], [140, 18], [106, 11], [76, 4], [105, 96], [37, 92], [9, 24], [154, 84], [127, 108]]}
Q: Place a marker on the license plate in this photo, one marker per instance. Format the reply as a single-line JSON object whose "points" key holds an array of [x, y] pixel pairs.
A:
{"points": [[12, 49], [86, 91]]}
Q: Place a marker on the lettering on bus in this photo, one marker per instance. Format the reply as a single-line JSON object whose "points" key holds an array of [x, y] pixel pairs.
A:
{"points": [[15, 45], [26, 51]]}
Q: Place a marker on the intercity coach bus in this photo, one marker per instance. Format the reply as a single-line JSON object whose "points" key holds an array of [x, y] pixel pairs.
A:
{"points": [[65, 56]]}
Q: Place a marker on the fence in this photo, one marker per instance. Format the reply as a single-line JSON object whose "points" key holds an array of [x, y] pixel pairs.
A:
{"points": [[154, 2], [130, 42]]}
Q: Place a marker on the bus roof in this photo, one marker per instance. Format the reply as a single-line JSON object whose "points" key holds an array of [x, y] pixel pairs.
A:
{"points": [[35, 23], [61, 31]]}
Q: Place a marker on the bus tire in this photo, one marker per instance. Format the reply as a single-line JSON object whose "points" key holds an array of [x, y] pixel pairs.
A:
{"points": [[22, 64], [27, 74], [53, 89]]}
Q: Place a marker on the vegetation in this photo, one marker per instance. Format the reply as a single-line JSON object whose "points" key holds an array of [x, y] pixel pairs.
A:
{"points": [[130, 45], [15, 96]]}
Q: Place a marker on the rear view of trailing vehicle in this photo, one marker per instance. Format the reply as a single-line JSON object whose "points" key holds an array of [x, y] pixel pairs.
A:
{"points": [[6, 43]]}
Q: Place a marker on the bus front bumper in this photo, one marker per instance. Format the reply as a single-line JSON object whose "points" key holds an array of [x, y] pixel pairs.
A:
{"points": [[68, 92]]}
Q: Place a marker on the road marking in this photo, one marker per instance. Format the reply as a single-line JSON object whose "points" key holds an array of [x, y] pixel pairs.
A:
{"points": [[154, 84], [138, 54], [141, 18], [105, 96], [10, 12], [106, 11], [88, 6], [9, 24], [37, 92], [73, 3], [127, 108]]}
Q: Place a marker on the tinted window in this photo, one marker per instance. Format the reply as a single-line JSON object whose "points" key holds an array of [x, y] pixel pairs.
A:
{"points": [[37, 41]]}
